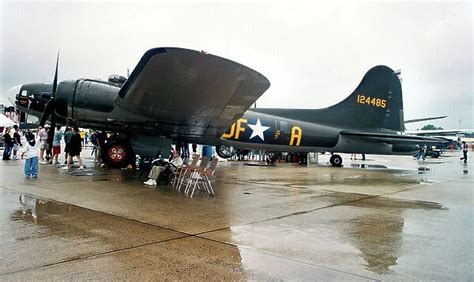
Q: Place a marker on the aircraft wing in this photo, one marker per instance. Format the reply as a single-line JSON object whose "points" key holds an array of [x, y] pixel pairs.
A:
{"points": [[393, 138], [190, 93]]}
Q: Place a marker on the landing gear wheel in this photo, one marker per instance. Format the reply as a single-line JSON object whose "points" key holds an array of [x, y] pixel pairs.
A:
{"points": [[225, 151], [336, 160], [118, 154]]}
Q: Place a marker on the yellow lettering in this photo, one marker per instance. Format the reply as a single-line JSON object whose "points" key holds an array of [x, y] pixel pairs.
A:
{"points": [[371, 101], [240, 128], [231, 133], [296, 135]]}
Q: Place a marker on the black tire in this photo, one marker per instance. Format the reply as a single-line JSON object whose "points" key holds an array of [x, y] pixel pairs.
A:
{"points": [[224, 151], [336, 160], [118, 154]]}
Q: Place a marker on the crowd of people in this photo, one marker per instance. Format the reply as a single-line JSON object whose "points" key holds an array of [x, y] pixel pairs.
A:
{"points": [[12, 143], [44, 147]]}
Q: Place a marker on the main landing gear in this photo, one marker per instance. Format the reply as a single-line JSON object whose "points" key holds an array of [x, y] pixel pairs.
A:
{"points": [[336, 160]]}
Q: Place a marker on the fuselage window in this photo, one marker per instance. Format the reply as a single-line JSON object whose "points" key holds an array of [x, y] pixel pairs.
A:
{"points": [[283, 126]]}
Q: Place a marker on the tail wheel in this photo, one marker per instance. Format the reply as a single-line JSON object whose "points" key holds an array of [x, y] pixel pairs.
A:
{"points": [[224, 151], [336, 160], [118, 153]]}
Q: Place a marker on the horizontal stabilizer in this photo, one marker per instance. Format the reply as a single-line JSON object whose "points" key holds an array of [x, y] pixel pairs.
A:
{"points": [[394, 138], [424, 119]]}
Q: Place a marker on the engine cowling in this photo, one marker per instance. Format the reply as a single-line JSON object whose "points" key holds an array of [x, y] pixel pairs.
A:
{"points": [[84, 99]]}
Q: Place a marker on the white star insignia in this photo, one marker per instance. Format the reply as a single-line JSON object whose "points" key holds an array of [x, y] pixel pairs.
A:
{"points": [[258, 129]]}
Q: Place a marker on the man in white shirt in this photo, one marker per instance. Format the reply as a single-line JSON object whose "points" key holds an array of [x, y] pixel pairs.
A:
{"points": [[43, 140], [155, 171]]}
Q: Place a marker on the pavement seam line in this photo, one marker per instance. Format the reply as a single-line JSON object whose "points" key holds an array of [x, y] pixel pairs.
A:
{"points": [[328, 206], [94, 255], [102, 212]]}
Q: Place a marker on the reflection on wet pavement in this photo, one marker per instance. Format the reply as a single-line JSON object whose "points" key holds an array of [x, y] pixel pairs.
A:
{"points": [[373, 166], [62, 231], [373, 229], [379, 234]]}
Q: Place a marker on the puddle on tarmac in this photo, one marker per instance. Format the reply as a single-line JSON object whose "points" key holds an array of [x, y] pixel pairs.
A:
{"points": [[374, 230], [86, 172], [369, 166]]}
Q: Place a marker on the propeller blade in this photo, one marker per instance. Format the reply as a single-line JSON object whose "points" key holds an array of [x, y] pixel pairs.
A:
{"points": [[48, 109], [55, 81]]}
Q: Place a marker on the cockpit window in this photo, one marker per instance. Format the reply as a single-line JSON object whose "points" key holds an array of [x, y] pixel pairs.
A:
{"points": [[32, 119], [24, 93]]}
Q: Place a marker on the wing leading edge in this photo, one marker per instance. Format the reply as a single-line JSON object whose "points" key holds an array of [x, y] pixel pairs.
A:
{"points": [[189, 92]]}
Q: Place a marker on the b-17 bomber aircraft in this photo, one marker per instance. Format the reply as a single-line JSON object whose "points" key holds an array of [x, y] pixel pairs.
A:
{"points": [[181, 95]]}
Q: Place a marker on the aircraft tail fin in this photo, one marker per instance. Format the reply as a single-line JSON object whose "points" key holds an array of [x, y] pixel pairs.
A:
{"points": [[375, 104]]}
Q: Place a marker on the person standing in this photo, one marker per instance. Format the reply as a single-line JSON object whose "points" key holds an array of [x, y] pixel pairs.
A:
{"points": [[58, 135], [16, 142], [49, 145], [464, 152], [83, 137], [421, 152], [185, 152], [75, 148], [31, 152], [8, 143], [67, 140], [43, 139]]}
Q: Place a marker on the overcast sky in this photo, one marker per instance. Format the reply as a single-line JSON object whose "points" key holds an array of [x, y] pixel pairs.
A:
{"points": [[314, 53]]}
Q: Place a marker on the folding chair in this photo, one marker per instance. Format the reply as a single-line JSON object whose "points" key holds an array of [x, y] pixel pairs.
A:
{"points": [[192, 176], [207, 177], [184, 170], [203, 178]]}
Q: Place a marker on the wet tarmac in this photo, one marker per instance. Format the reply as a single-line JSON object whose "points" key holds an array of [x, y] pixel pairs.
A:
{"points": [[385, 218]]}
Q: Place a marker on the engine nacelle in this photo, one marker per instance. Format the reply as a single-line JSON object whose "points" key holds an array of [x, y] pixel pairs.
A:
{"points": [[84, 99]]}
